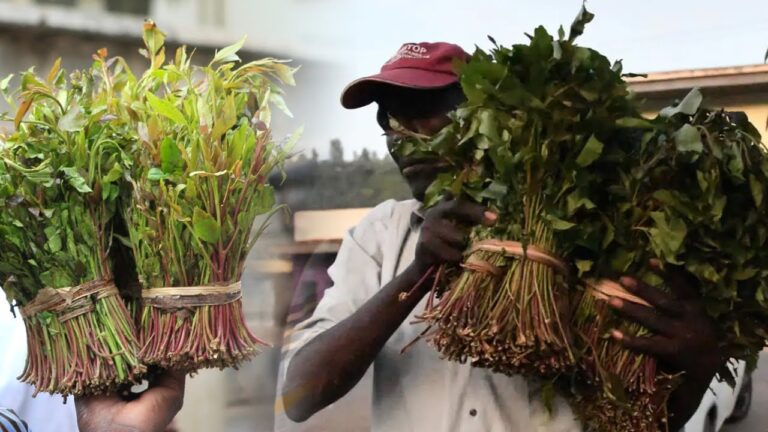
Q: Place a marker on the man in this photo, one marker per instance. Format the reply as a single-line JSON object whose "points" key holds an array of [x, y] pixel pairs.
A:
{"points": [[363, 321]]}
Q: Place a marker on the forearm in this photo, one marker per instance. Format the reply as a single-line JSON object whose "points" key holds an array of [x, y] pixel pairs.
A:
{"points": [[334, 362]]}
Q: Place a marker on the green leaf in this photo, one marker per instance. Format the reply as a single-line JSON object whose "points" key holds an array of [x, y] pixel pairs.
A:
{"points": [[76, 180], [757, 189], [667, 236], [495, 191], [166, 108], [229, 54], [577, 200], [688, 139], [290, 143], [205, 226], [557, 50], [688, 105], [4, 83], [279, 102], [54, 240], [584, 266], [154, 39], [226, 118], [582, 19], [591, 151], [171, 161], [74, 120], [114, 173], [285, 73], [156, 174], [745, 273], [559, 224]]}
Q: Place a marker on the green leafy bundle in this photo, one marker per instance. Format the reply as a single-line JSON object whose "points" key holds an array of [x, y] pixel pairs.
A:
{"points": [[59, 182], [692, 198], [200, 180], [586, 190], [527, 143]]}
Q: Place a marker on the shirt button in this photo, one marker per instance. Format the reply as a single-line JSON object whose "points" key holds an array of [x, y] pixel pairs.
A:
{"points": [[473, 412]]}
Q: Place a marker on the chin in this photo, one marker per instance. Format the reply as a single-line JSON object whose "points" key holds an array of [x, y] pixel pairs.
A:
{"points": [[419, 184], [419, 189]]}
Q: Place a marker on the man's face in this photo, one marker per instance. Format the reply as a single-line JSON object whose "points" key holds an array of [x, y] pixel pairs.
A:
{"points": [[424, 112]]}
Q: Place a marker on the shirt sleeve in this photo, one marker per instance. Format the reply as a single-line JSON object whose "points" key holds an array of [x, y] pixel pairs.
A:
{"points": [[43, 413], [356, 277], [11, 422]]}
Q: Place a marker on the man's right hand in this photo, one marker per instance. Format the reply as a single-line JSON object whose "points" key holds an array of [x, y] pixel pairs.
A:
{"points": [[445, 232]]}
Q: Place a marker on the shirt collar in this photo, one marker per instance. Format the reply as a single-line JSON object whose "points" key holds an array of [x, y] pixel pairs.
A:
{"points": [[417, 218]]}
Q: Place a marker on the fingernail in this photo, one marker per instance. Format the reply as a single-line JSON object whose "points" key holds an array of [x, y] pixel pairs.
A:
{"points": [[617, 334], [490, 216], [616, 302], [628, 282]]}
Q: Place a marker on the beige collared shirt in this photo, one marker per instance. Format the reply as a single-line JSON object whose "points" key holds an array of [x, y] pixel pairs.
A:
{"points": [[417, 391]]}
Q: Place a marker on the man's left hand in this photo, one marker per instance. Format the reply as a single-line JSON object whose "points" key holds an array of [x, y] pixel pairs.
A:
{"points": [[685, 338]]}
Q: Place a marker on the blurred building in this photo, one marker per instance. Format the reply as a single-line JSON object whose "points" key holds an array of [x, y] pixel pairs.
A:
{"points": [[738, 88]]}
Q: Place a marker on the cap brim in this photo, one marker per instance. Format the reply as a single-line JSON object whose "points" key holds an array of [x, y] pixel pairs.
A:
{"points": [[364, 91]]}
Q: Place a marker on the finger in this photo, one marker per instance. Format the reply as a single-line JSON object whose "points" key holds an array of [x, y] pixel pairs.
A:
{"points": [[643, 315], [172, 380], [168, 389], [681, 282], [93, 412], [470, 213], [160, 403], [657, 298], [450, 233], [659, 347], [444, 252]]}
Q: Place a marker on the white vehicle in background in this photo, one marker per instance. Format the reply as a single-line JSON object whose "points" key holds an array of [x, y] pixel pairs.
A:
{"points": [[723, 404]]}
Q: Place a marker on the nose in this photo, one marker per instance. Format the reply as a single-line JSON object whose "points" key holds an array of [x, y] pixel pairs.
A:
{"points": [[427, 126]]}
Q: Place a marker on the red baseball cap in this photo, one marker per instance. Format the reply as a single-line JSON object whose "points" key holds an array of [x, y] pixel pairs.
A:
{"points": [[415, 65]]}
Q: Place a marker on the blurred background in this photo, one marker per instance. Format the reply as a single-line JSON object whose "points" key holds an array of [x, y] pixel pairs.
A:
{"points": [[341, 167]]}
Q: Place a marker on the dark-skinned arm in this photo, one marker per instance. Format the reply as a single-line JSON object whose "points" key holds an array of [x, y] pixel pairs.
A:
{"points": [[332, 363]]}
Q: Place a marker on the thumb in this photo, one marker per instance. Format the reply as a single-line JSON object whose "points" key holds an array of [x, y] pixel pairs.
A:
{"points": [[160, 403], [166, 393]]}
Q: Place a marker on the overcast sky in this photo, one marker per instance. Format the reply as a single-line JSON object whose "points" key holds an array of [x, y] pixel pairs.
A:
{"points": [[358, 35]]}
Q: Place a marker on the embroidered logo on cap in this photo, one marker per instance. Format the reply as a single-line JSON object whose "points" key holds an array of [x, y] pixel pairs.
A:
{"points": [[410, 51]]}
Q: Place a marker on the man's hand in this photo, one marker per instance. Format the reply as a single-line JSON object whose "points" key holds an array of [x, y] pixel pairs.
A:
{"points": [[153, 411], [685, 340], [445, 232]]}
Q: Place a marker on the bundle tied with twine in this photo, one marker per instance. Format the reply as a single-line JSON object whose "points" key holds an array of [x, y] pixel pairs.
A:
{"points": [[203, 156], [60, 169], [82, 354], [183, 325], [472, 321], [616, 388]]}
